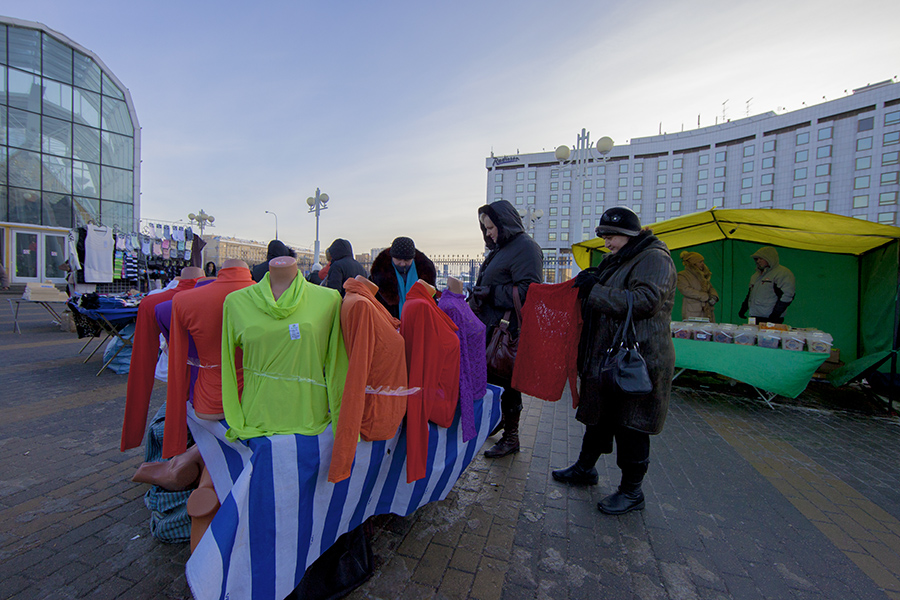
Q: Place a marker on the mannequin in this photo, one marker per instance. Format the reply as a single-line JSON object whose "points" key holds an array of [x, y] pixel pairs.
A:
{"points": [[191, 273], [202, 506], [282, 272], [369, 284], [180, 473], [430, 288], [454, 285]]}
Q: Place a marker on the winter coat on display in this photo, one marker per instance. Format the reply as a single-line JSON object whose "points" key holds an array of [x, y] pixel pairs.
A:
{"points": [[276, 248], [515, 260], [643, 266], [771, 289], [343, 265], [385, 277], [697, 290]]}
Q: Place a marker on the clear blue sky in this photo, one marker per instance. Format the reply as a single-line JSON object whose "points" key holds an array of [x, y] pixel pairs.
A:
{"points": [[392, 107]]}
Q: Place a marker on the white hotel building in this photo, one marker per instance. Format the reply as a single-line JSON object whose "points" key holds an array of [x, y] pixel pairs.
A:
{"points": [[841, 156]]}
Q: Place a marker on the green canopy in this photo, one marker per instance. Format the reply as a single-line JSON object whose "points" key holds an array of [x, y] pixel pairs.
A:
{"points": [[846, 269]]}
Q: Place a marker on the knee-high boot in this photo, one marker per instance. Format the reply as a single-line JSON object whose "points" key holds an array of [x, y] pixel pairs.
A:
{"points": [[629, 496], [509, 443]]}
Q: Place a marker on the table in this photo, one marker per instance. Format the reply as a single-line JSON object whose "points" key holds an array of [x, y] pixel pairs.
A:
{"points": [[111, 321], [770, 371], [57, 318]]}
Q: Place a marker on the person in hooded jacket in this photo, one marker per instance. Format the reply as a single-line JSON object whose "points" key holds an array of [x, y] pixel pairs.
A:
{"points": [[640, 263], [695, 284], [514, 260], [342, 266], [772, 288], [276, 248], [396, 269]]}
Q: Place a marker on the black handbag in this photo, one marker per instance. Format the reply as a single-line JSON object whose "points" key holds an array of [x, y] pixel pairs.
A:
{"points": [[502, 347], [623, 370]]}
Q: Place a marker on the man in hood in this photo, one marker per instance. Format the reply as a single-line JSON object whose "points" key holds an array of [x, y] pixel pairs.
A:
{"points": [[396, 269], [343, 266], [772, 288], [276, 249]]}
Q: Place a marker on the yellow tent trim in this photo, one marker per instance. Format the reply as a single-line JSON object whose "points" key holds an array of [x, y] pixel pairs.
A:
{"points": [[803, 230]]}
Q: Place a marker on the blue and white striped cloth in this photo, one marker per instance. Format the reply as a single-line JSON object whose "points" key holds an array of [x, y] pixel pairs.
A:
{"points": [[279, 513]]}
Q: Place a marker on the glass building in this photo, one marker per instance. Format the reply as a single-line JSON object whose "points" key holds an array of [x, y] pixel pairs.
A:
{"points": [[840, 156], [69, 148]]}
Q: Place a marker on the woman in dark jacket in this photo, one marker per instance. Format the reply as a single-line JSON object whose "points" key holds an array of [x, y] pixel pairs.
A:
{"points": [[514, 261], [639, 262]]}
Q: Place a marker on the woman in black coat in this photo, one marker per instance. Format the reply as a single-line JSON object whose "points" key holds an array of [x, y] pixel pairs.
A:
{"points": [[514, 261], [639, 262]]}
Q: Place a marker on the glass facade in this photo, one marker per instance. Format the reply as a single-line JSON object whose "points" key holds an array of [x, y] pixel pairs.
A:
{"points": [[67, 136]]}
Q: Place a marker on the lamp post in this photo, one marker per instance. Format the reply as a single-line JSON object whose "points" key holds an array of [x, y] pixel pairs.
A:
{"points": [[202, 219], [269, 212], [531, 216], [317, 205]]}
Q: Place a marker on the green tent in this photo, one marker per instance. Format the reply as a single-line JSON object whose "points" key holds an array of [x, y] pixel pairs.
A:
{"points": [[847, 270]]}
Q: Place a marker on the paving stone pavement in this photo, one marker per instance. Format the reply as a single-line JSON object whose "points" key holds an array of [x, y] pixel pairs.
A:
{"points": [[800, 502]]}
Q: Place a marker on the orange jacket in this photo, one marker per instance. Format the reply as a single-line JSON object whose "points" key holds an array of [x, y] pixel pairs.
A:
{"points": [[375, 392]]}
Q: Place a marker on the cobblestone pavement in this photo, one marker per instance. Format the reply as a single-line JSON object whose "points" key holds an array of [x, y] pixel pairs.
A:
{"points": [[799, 502]]}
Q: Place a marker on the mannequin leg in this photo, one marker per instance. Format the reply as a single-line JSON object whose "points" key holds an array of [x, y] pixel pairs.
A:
{"points": [[179, 473]]}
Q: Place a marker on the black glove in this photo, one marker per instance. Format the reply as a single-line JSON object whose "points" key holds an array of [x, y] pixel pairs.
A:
{"points": [[744, 308], [481, 292], [778, 310], [585, 277]]}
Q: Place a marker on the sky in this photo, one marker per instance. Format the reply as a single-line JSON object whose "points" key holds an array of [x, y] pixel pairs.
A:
{"points": [[392, 107]]}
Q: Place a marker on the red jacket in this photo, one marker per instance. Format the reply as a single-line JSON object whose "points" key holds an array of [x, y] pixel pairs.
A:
{"points": [[197, 315], [144, 354], [432, 354]]}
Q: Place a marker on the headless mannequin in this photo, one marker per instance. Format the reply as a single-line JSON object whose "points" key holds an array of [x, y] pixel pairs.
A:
{"points": [[454, 285], [429, 287], [372, 287], [191, 273], [234, 262], [282, 272]]}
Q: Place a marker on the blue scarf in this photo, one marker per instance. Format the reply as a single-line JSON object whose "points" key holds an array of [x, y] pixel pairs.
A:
{"points": [[403, 286]]}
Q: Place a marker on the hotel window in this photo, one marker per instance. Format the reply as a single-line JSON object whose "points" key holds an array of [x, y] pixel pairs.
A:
{"points": [[677, 163], [552, 223], [769, 146], [746, 183], [585, 210], [801, 156], [496, 200], [498, 189], [554, 198], [889, 178], [719, 172], [887, 198], [824, 134], [530, 200], [891, 138], [566, 198], [498, 177], [623, 182], [820, 206], [749, 150], [719, 186], [567, 172], [661, 193], [798, 206], [721, 155], [623, 196], [588, 184], [887, 218], [551, 237], [701, 189], [554, 173], [861, 183], [520, 175], [800, 173], [662, 165], [598, 210], [554, 186], [531, 187], [638, 181], [823, 170], [747, 167], [564, 223], [637, 195], [587, 197], [822, 187], [519, 199], [802, 138], [765, 196], [863, 144], [567, 185], [889, 158], [866, 124], [701, 204], [623, 167], [676, 177], [553, 211], [585, 223], [892, 118], [675, 206], [661, 179], [799, 191], [767, 179], [703, 160], [863, 162], [676, 192], [861, 201], [601, 183], [636, 208], [768, 162], [600, 196], [823, 152], [601, 169], [703, 174], [589, 171], [660, 207], [746, 198], [639, 167], [520, 187], [532, 174]]}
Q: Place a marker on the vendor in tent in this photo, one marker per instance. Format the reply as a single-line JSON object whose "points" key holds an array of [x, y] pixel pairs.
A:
{"points": [[772, 288]]}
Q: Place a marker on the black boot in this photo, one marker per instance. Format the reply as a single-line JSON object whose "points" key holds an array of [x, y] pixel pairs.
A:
{"points": [[509, 443], [629, 496], [501, 425], [582, 472]]}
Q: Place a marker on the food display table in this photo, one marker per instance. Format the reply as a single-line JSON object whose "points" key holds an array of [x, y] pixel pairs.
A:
{"points": [[770, 371]]}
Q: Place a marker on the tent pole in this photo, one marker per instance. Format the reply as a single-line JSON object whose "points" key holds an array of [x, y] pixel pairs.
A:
{"points": [[893, 394]]}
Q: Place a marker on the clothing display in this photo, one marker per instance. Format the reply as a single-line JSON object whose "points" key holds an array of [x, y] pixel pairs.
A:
{"points": [[98, 255], [293, 359], [472, 360], [432, 355], [375, 391], [143, 362], [548, 342], [197, 322]]}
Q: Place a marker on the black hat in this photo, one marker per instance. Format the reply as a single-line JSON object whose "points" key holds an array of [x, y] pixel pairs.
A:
{"points": [[403, 248], [619, 220]]}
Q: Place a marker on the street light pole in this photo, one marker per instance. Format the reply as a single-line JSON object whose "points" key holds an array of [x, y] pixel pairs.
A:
{"points": [[317, 205], [269, 212], [202, 219]]}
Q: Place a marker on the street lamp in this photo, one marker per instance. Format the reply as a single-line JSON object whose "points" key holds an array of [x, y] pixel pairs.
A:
{"points": [[317, 205], [202, 219], [531, 216], [269, 212], [584, 151]]}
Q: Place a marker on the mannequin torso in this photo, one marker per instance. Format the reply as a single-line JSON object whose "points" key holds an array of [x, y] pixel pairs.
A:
{"points": [[282, 272]]}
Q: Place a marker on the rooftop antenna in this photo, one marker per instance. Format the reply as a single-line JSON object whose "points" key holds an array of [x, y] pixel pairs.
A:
{"points": [[748, 106], [724, 119]]}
